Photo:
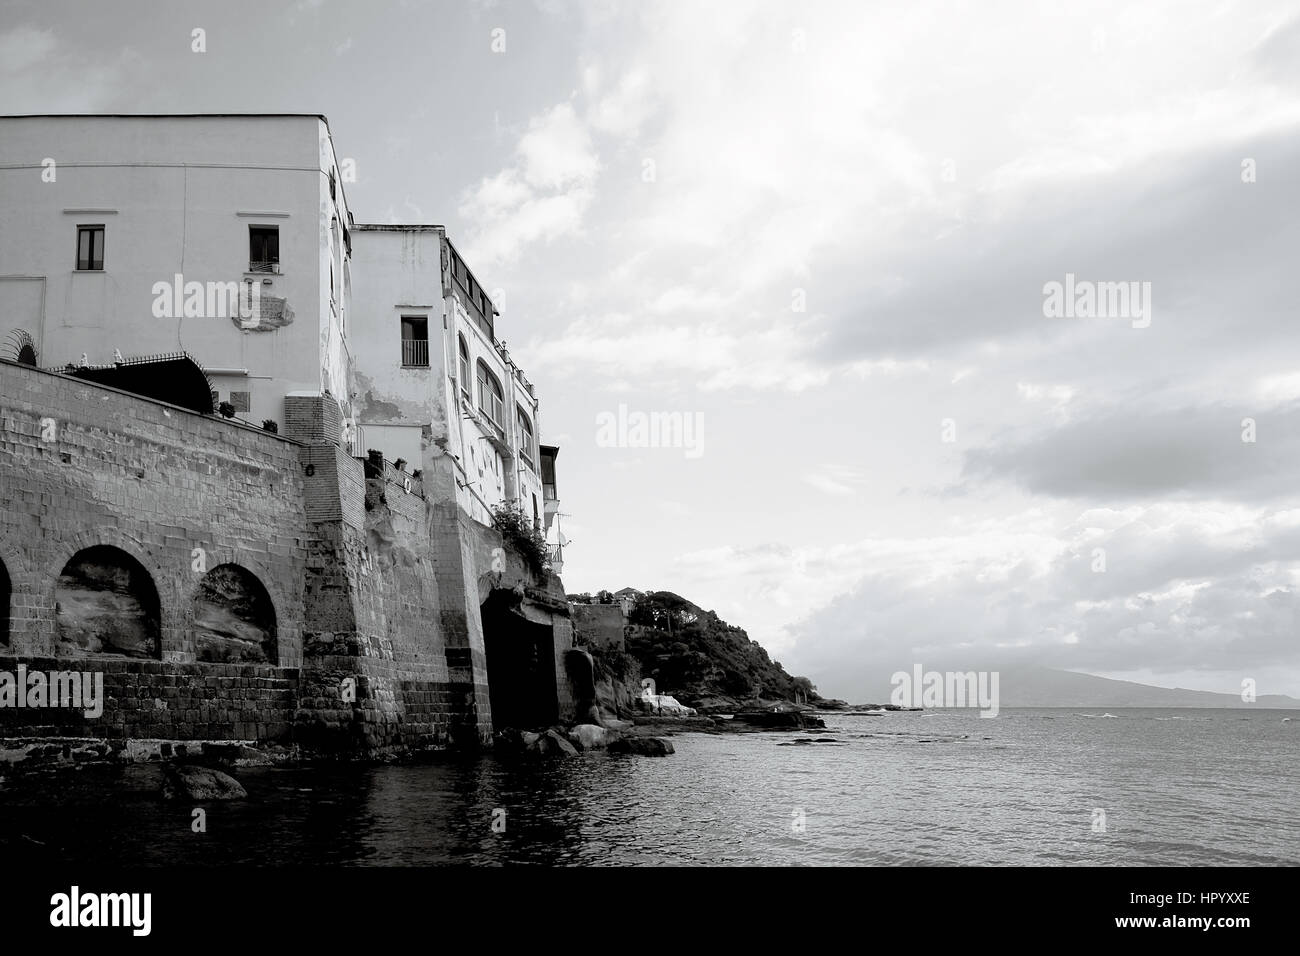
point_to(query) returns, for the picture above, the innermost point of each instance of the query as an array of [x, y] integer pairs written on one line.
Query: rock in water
[[189, 782], [590, 737], [551, 744], [645, 746]]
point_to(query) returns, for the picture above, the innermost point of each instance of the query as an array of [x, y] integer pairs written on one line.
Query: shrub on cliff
[[517, 531], [694, 654]]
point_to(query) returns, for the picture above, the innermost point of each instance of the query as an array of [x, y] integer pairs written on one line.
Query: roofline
[[447, 239], [398, 227], [316, 116], [320, 116]]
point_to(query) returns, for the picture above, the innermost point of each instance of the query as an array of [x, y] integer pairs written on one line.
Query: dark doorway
[[520, 666], [4, 605]]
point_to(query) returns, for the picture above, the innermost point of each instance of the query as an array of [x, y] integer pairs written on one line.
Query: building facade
[[432, 377], [139, 235], [229, 238], [231, 582]]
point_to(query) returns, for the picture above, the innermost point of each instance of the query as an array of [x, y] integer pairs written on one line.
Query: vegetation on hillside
[[695, 655]]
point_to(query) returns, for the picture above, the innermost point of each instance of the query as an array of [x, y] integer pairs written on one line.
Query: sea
[[1037, 787]]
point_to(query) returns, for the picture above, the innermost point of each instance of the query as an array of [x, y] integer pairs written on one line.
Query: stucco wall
[[176, 195]]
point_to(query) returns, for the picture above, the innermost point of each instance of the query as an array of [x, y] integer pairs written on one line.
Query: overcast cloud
[[826, 228]]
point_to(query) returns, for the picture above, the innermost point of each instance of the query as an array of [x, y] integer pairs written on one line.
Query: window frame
[[270, 266], [414, 322], [486, 376], [462, 365], [91, 228], [525, 425]]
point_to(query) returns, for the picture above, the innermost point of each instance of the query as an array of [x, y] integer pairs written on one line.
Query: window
[[525, 435], [90, 248], [490, 396], [242, 401], [263, 248], [463, 367], [415, 341]]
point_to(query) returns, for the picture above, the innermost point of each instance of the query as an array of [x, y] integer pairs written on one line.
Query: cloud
[[1127, 454], [1180, 589], [39, 74], [543, 195], [557, 151], [834, 480], [24, 47]]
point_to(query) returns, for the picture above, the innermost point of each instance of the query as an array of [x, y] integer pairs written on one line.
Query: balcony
[[415, 353]]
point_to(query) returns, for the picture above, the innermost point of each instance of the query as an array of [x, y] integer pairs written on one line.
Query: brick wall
[[155, 700], [84, 465], [376, 590], [312, 418]]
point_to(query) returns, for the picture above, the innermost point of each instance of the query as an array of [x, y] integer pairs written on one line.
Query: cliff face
[[701, 659]]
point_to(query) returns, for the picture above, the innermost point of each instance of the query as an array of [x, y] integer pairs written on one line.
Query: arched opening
[[105, 603], [5, 594], [234, 619], [20, 347], [462, 366], [520, 665]]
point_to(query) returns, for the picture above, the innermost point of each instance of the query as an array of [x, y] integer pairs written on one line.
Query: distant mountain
[[1045, 687]]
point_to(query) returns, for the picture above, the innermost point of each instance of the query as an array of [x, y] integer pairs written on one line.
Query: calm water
[[1176, 786]]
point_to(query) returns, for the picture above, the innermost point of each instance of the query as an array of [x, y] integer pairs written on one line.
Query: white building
[[228, 236], [431, 371], [106, 215]]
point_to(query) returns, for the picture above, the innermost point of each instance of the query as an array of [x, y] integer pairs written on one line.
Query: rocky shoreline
[[206, 771]]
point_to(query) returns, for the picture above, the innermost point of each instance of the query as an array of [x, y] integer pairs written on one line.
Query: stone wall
[[357, 631], [84, 465]]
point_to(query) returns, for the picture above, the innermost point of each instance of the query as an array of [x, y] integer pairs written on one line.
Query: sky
[[823, 233]]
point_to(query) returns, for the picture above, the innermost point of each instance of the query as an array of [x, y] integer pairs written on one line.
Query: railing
[[415, 352], [263, 266], [548, 492]]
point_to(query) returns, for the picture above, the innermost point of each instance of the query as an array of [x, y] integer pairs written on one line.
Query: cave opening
[[520, 666]]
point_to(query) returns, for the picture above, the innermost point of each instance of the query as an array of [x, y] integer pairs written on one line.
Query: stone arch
[[44, 578], [234, 618], [16, 569], [106, 604], [279, 585]]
